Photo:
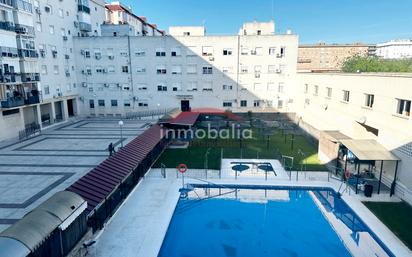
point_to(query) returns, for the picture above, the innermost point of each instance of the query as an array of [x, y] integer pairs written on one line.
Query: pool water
[[223, 222]]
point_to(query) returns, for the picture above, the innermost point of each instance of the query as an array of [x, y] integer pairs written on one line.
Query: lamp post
[[121, 132]]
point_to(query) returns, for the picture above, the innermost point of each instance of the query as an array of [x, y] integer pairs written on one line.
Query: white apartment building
[[257, 28], [395, 49], [233, 72]]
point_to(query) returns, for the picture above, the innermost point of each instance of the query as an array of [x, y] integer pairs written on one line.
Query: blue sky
[[332, 21]]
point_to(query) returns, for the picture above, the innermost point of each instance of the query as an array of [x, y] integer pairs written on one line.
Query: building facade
[[323, 57], [396, 49], [362, 106], [232, 72]]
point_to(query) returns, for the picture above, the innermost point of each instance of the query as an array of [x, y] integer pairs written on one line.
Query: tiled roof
[[102, 180]]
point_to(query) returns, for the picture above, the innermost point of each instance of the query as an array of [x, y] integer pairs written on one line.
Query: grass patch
[[256, 147], [396, 216]]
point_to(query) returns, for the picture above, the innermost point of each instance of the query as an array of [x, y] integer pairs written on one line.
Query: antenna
[[273, 10]]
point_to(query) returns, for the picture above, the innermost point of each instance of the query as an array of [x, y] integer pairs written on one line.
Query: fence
[[30, 130], [148, 113]]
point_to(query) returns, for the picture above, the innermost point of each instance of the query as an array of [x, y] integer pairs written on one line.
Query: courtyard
[[33, 170]]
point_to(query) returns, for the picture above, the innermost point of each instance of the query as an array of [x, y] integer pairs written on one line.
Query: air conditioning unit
[[253, 52], [98, 57], [104, 70], [111, 57], [47, 9], [67, 74], [84, 84], [42, 53], [106, 85], [37, 10], [66, 56], [60, 94], [211, 59], [82, 52], [65, 38], [278, 71], [83, 72], [118, 84], [54, 53], [76, 24]]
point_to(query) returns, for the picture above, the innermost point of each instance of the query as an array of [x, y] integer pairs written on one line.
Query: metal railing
[[148, 113], [30, 130]]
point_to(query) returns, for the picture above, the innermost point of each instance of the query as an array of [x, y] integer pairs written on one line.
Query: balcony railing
[[30, 77], [83, 8], [9, 77], [28, 53], [24, 29], [6, 25], [7, 2], [12, 102], [86, 27], [23, 5], [33, 99], [8, 52]]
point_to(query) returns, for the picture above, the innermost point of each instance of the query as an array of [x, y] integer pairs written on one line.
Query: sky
[[330, 21]]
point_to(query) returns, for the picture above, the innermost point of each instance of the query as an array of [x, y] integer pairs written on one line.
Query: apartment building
[[323, 57], [395, 49], [121, 19], [362, 106], [233, 72]]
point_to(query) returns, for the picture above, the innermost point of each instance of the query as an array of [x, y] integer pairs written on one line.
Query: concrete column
[[52, 112], [76, 107], [65, 110], [38, 110]]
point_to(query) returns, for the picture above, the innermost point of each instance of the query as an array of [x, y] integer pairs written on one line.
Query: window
[[244, 51], [125, 69], [272, 50], [114, 103], [48, 9], [99, 69], [161, 69], [282, 52], [192, 86], [306, 88], [208, 86], [161, 87], [243, 103], [160, 52], [91, 104], [46, 90], [87, 53], [256, 103], [142, 87], [176, 69], [207, 51], [141, 70], [97, 54], [227, 87], [403, 107], [123, 53], [258, 69], [143, 104], [257, 86], [329, 92], [257, 51], [111, 69], [176, 86], [100, 103], [369, 99], [227, 51], [281, 87], [227, 69], [207, 70], [271, 86], [346, 94], [259, 32], [44, 69], [280, 104], [191, 69], [186, 33], [272, 69], [51, 29], [227, 104], [176, 52], [126, 104], [140, 53], [315, 90], [56, 69], [244, 69]]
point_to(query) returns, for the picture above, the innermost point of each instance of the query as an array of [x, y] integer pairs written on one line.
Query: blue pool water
[[216, 222]]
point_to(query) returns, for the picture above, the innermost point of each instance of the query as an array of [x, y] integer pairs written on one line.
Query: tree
[[374, 64]]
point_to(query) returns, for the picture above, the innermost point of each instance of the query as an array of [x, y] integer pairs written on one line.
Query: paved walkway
[[33, 170]]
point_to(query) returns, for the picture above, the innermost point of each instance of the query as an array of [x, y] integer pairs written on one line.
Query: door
[[185, 105]]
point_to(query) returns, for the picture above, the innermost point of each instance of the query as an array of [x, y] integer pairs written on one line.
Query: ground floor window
[[114, 103], [91, 104], [243, 103], [101, 103], [256, 103], [227, 104]]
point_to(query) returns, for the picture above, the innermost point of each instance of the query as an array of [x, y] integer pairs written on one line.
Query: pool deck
[[139, 226]]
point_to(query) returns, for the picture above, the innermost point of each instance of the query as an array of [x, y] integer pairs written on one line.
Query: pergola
[[367, 151]]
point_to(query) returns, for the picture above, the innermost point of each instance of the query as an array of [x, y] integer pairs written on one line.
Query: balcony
[[30, 77], [23, 29], [25, 53], [85, 27], [6, 25], [7, 2], [12, 102], [33, 99], [10, 52], [83, 8], [9, 78]]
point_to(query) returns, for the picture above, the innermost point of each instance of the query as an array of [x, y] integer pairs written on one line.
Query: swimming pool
[[246, 221]]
